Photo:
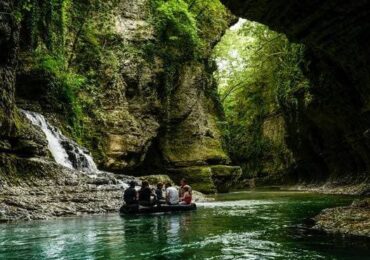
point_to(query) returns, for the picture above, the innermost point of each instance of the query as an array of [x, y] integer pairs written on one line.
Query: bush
[[66, 83], [177, 29]]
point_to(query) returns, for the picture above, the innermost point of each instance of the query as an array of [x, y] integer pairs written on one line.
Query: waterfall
[[65, 151]]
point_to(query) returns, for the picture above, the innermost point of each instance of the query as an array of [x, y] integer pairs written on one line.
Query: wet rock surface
[[352, 220], [68, 194], [62, 192]]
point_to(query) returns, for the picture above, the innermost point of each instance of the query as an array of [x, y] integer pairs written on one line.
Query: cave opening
[[327, 130], [261, 87]]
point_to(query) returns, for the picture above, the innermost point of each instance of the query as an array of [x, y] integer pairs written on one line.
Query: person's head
[[132, 184], [183, 182], [159, 185], [145, 184], [186, 188], [168, 184]]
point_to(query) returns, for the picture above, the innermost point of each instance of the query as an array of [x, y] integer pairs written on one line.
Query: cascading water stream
[[65, 151]]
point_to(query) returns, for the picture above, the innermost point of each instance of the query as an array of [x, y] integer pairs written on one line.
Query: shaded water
[[248, 225]]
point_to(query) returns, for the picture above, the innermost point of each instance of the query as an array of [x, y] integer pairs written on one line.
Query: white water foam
[[83, 161]]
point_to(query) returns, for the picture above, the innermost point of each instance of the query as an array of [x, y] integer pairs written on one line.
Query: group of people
[[163, 194]]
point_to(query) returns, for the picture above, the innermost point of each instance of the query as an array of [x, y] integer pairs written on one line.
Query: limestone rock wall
[[275, 167], [192, 136], [8, 44], [128, 114], [17, 135], [184, 123]]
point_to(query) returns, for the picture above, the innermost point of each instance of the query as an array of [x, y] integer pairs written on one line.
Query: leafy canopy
[[259, 74]]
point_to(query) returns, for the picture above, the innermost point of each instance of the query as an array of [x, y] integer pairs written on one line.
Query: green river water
[[244, 225]]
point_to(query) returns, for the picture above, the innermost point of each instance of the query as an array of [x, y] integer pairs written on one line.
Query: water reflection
[[155, 233], [244, 227]]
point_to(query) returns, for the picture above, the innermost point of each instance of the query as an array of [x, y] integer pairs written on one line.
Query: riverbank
[[350, 220], [362, 189], [353, 220], [66, 194], [72, 193], [63, 194]]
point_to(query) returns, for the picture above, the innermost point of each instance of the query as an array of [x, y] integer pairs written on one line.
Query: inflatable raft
[[135, 209]]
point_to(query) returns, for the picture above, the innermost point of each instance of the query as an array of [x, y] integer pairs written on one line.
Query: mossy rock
[[154, 179], [16, 170], [198, 177], [224, 177], [208, 179]]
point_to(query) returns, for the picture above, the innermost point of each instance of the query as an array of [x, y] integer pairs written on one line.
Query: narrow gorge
[[231, 95], [327, 127]]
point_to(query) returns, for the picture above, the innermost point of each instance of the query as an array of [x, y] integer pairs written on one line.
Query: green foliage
[[44, 32], [71, 42], [259, 75], [188, 28], [212, 20], [66, 83], [44, 22], [176, 27], [74, 41]]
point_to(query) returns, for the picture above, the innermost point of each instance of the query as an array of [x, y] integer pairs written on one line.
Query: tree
[[258, 74]]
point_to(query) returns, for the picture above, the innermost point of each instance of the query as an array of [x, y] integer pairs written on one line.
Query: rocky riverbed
[[69, 193], [351, 220]]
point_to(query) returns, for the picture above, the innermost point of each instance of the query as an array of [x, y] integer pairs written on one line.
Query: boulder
[[208, 179], [224, 177], [352, 220], [154, 179]]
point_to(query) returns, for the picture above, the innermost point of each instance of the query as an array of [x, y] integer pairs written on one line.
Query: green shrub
[[177, 29], [66, 83]]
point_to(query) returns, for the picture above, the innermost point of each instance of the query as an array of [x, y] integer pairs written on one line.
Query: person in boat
[[186, 198], [159, 194], [172, 195], [183, 183], [145, 195], [130, 195]]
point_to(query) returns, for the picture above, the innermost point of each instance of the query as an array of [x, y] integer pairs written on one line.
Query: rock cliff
[[18, 138], [105, 80]]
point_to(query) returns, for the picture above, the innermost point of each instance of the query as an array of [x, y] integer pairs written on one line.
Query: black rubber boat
[[134, 209]]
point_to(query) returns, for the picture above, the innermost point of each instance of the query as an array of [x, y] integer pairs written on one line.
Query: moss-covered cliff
[[17, 135], [132, 81], [120, 77]]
